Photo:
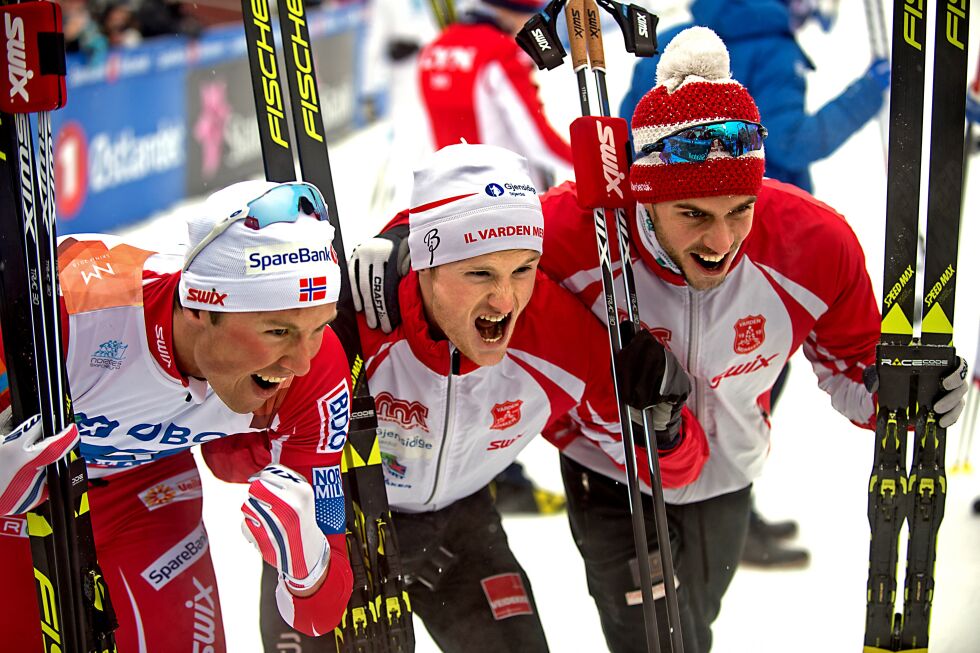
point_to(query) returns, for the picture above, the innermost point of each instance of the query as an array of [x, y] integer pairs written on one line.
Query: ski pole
[[539, 39], [597, 63], [75, 613], [878, 35]]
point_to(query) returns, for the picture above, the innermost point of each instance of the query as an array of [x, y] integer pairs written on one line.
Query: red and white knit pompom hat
[[694, 87]]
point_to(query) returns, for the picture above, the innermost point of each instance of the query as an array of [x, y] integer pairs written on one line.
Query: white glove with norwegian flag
[[280, 521], [23, 457]]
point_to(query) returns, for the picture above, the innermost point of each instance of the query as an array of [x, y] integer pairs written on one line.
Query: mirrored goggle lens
[[286, 203], [694, 143]]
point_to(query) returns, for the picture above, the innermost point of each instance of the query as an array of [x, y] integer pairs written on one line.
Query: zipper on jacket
[[448, 424], [692, 352]]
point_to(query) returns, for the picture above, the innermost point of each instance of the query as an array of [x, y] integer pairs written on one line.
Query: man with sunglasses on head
[[733, 273], [167, 352]]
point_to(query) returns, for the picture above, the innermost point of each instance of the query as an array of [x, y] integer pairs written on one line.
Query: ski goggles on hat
[[693, 144], [283, 203]]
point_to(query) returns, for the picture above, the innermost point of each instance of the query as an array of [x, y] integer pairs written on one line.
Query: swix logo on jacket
[[735, 339]]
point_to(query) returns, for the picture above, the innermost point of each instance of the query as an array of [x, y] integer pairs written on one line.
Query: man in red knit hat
[[727, 280]]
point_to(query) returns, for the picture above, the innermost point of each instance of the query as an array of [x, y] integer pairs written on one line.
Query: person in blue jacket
[[769, 62]]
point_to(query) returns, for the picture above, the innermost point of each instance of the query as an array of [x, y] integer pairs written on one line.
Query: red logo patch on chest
[[750, 333], [506, 414]]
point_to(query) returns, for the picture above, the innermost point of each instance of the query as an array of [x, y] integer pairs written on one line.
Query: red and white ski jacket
[[799, 280], [476, 83], [444, 436], [133, 406]]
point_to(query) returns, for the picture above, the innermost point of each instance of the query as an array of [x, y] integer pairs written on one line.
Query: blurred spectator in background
[[478, 85], [163, 17], [767, 59], [82, 33], [119, 25]]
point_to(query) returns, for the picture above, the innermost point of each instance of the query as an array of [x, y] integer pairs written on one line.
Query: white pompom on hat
[[470, 200], [280, 266], [694, 87]]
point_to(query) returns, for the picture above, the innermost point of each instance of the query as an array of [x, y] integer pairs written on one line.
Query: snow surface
[[819, 465]]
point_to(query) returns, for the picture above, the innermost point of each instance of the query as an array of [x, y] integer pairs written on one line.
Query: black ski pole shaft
[[575, 10], [597, 63]]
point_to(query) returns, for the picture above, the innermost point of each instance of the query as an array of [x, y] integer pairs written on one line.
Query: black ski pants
[[706, 541], [464, 584]]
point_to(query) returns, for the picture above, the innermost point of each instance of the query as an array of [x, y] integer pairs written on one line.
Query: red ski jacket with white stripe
[[444, 436], [799, 279], [476, 83]]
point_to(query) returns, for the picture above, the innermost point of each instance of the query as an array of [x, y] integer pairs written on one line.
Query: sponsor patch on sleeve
[[334, 408], [328, 499]]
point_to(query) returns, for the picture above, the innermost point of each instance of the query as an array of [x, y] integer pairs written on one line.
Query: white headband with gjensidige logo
[[471, 200], [277, 267]]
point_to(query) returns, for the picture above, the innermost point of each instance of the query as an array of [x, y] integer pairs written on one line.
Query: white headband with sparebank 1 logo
[[471, 200], [260, 246]]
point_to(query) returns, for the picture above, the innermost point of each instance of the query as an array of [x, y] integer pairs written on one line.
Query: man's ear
[[194, 316]]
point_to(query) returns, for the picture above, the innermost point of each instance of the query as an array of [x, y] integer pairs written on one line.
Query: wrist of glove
[[376, 267], [280, 520], [881, 72], [24, 454], [651, 379], [952, 392]]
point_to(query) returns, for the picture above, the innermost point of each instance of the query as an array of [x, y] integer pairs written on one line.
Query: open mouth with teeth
[[709, 262], [267, 382], [492, 327]]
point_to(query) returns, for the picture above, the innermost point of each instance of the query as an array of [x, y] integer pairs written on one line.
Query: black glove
[[375, 267], [651, 378]]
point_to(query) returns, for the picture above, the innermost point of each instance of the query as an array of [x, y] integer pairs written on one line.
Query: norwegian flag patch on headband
[[312, 289]]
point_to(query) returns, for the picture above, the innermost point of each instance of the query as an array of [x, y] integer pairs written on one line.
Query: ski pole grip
[[597, 56], [33, 41], [600, 162], [574, 15]]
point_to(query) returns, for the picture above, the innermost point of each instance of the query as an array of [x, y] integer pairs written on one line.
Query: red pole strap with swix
[[600, 162], [34, 46]]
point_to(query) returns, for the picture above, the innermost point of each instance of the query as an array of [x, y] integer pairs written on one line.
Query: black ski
[[378, 617], [72, 598], [911, 368]]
